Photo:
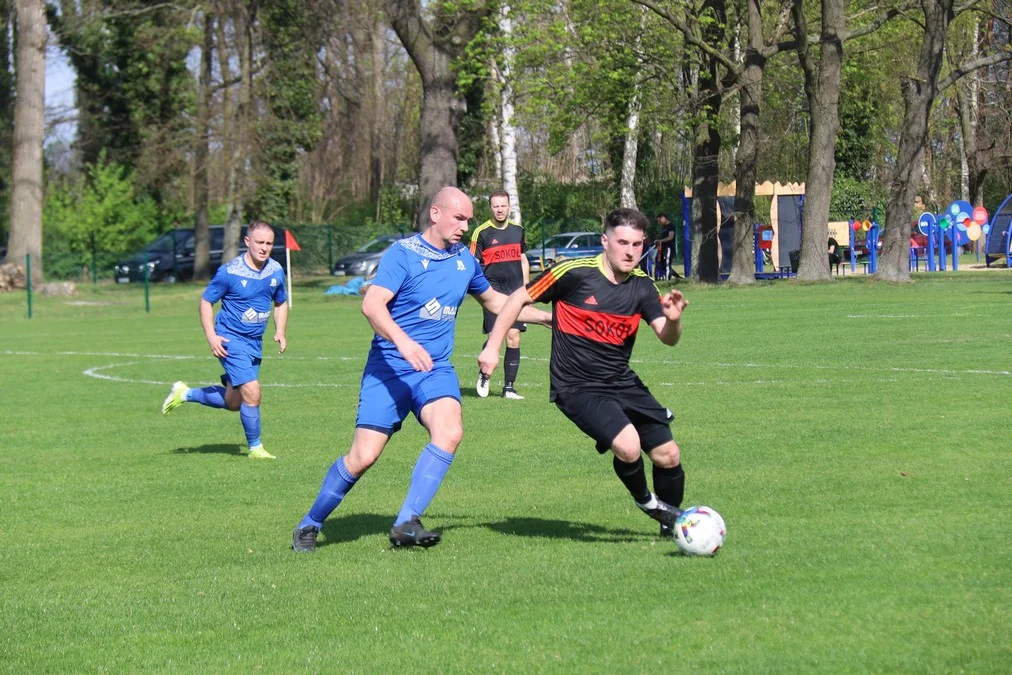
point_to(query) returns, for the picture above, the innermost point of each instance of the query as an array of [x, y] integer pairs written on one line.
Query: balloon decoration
[[980, 215], [973, 232], [866, 225], [855, 225]]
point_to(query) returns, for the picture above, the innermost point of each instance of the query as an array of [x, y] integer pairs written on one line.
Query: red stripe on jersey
[[500, 253], [612, 329], [542, 285]]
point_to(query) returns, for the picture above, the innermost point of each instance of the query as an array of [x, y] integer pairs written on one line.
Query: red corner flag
[[290, 242]]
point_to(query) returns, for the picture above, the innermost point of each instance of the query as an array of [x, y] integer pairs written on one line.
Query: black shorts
[[603, 414], [486, 326]]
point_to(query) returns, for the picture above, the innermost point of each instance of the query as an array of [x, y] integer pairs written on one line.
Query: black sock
[[634, 477], [512, 365], [669, 484]]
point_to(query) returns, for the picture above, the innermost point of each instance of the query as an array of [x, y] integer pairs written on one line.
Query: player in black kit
[[499, 245], [598, 303]]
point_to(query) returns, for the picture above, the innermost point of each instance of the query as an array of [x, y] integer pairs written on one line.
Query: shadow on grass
[[220, 449], [564, 529], [343, 529]]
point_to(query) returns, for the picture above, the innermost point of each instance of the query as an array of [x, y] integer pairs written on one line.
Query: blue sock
[[213, 397], [250, 416], [336, 485], [429, 471]]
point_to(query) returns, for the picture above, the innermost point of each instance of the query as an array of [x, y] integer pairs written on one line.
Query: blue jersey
[[428, 284], [247, 296]]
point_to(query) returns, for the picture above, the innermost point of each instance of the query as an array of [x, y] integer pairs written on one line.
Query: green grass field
[[854, 435]]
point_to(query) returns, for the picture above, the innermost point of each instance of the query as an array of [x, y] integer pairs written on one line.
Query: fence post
[[175, 261], [330, 248], [94, 261], [147, 295], [28, 281]]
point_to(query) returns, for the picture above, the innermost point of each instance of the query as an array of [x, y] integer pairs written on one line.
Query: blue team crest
[[461, 266], [274, 282]]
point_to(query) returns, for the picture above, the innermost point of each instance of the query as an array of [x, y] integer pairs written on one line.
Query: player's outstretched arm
[[374, 307], [214, 341], [509, 309], [280, 325], [669, 326]]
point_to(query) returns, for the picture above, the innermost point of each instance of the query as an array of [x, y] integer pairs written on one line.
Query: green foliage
[[132, 88], [292, 126], [102, 213], [855, 199]]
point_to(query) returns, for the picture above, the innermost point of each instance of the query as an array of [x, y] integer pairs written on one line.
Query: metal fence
[[320, 246]]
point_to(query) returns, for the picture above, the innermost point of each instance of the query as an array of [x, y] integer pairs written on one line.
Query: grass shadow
[[564, 529], [343, 529], [219, 448]]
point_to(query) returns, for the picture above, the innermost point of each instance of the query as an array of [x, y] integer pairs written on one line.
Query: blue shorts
[[242, 364], [386, 397]]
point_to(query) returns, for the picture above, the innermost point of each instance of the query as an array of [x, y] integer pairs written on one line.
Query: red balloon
[[980, 215]]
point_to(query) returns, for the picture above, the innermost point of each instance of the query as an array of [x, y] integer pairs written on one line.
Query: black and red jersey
[[499, 251], [594, 322]]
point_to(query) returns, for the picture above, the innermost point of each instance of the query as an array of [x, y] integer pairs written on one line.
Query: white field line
[[98, 372]]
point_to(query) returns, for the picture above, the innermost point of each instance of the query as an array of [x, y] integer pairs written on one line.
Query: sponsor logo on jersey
[[434, 311], [500, 254], [425, 263], [253, 316], [590, 301], [495, 241], [243, 282], [613, 329]]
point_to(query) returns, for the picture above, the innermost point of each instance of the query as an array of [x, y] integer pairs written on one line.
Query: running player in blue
[[412, 306], [248, 287]]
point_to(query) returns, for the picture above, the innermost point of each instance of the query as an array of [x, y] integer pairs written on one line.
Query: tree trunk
[[201, 234], [229, 139], [442, 107], [25, 236], [919, 94], [706, 152], [751, 80], [822, 88], [627, 188], [508, 136]]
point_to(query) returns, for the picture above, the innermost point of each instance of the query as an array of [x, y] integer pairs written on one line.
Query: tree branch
[[691, 38], [970, 66]]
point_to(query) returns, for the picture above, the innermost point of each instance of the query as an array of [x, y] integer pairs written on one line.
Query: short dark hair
[[498, 193], [258, 224], [627, 217], [663, 215]]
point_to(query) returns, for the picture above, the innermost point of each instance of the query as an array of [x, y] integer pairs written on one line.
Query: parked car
[[563, 246], [364, 261], [179, 245]]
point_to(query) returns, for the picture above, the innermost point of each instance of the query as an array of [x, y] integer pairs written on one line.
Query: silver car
[[563, 246]]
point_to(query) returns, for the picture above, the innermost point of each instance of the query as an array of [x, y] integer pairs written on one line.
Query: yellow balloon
[[973, 232]]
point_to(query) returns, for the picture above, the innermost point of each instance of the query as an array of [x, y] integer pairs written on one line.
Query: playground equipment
[[998, 244], [781, 239], [959, 225]]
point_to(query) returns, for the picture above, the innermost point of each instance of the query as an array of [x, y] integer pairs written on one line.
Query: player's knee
[[513, 338], [666, 456], [251, 393], [233, 399], [448, 435]]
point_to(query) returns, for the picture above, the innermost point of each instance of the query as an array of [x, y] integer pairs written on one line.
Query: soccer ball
[[700, 531]]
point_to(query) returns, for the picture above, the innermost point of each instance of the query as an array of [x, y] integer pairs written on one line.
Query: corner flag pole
[[290, 245], [288, 264]]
